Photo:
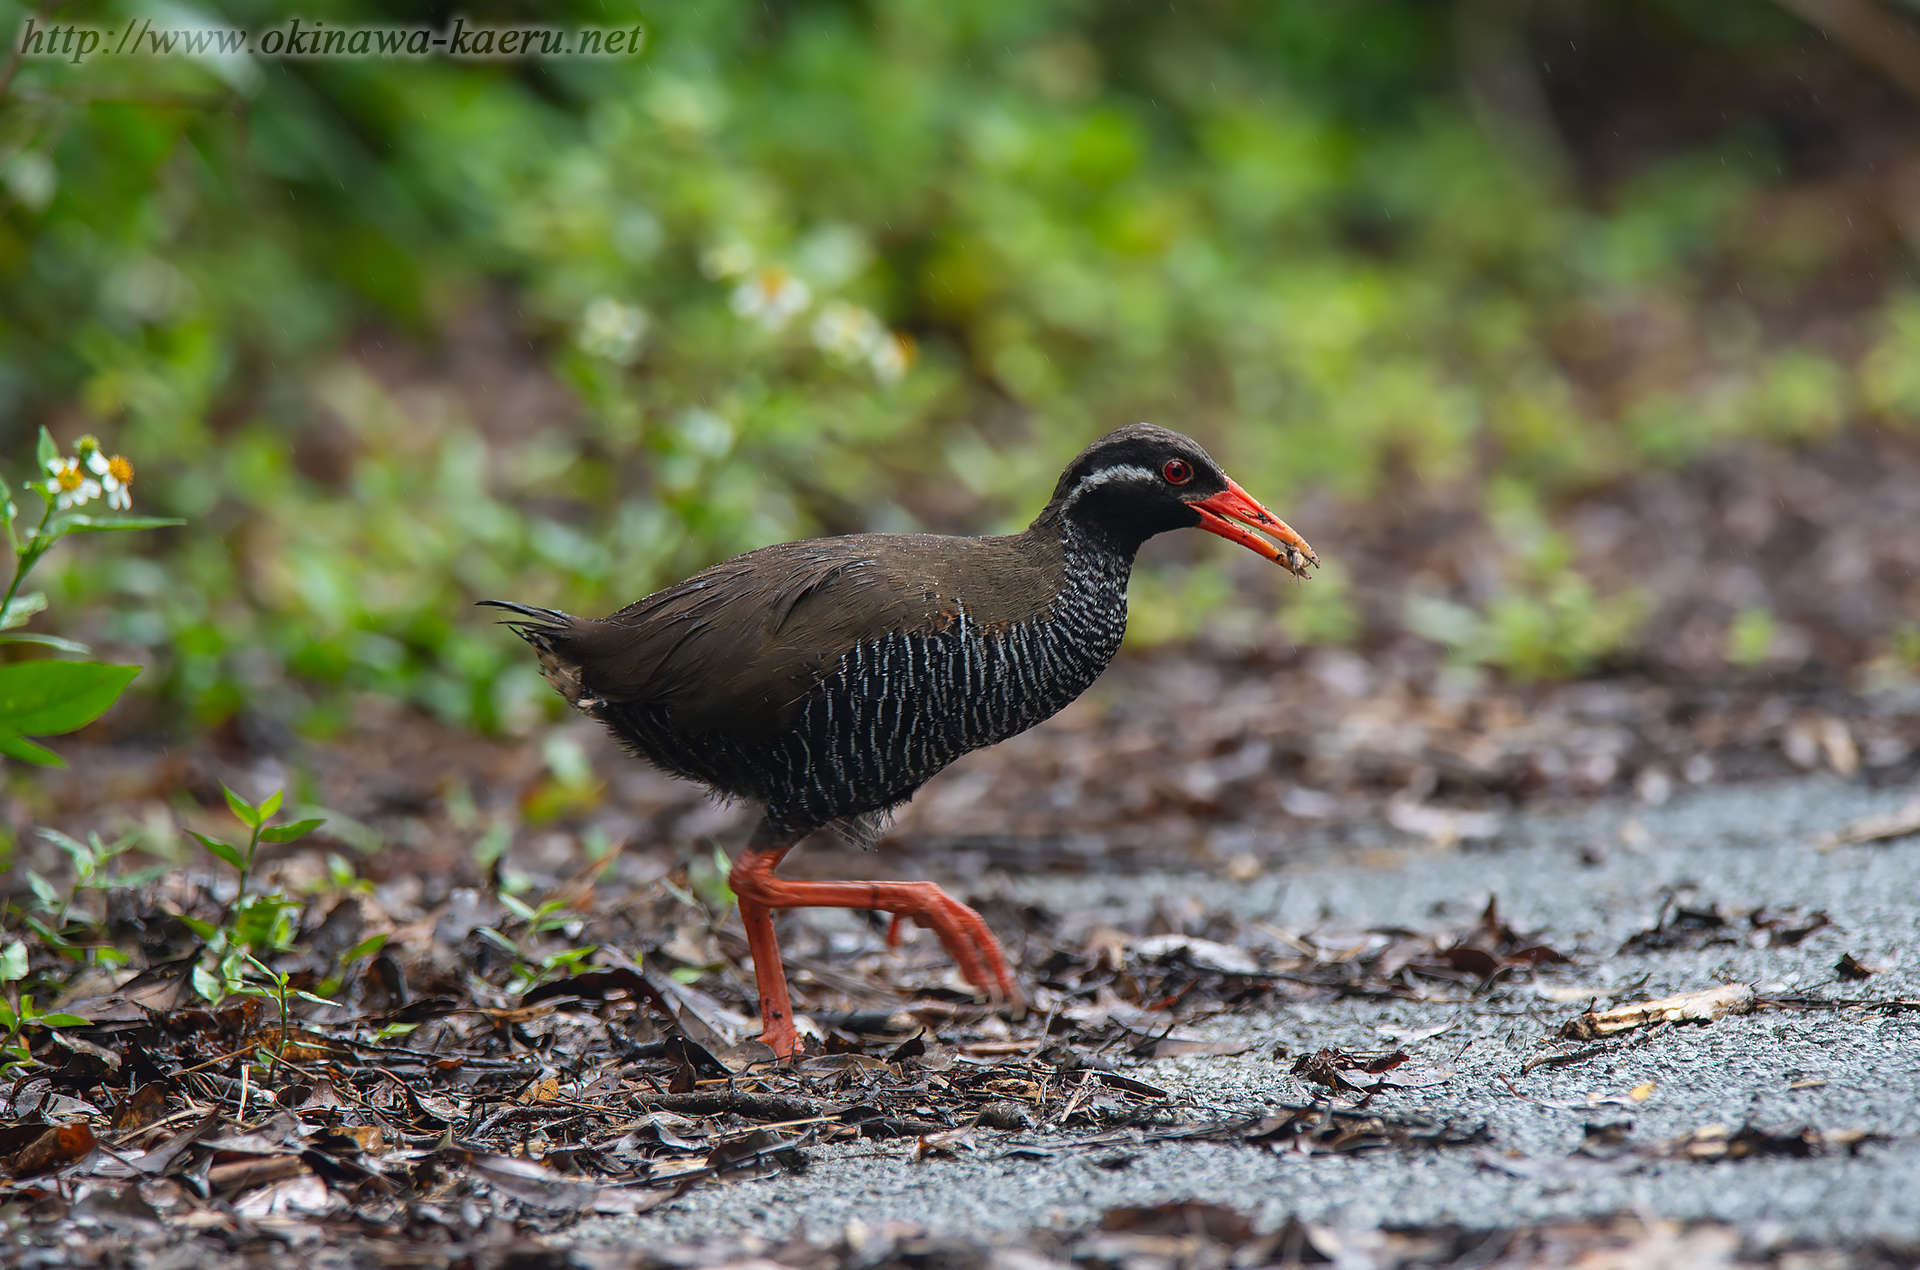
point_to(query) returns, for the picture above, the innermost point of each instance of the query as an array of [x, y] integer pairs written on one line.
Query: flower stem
[[29, 556]]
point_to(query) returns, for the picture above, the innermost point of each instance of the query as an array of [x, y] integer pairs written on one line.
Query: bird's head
[[1143, 480]]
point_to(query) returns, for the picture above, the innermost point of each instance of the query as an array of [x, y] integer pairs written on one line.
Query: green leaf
[[220, 849], [46, 453], [288, 833], [48, 641], [206, 930], [62, 1020], [81, 523], [570, 959], [517, 907], [264, 921], [13, 745], [81, 854], [208, 984], [8, 1019], [134, 879], [43, 890], [13, 962], [22, 607], [246, 812], [45, 698], [270, 804], [54, 938], [498, 940], [365, 948]]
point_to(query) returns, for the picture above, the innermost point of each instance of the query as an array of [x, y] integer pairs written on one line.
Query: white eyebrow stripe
[[1118, 472]]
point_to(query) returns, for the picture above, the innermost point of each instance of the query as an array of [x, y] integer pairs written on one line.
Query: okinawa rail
[[828, 680]]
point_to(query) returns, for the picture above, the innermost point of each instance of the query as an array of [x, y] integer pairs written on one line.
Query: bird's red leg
[[776, 1007], [962, 932], [762, 856]]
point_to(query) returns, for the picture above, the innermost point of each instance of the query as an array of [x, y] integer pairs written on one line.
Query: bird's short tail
[[551, 633], [543, 628]]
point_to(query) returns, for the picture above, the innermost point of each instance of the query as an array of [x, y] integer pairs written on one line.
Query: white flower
[[891, 357], [116, 476], [772, 297], [726, 260], [613, 330], [70, 485], [847, 332]]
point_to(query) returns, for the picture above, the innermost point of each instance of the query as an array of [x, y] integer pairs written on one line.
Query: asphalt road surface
[[1585, 881]]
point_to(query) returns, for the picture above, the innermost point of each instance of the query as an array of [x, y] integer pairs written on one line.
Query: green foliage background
[[1281, 226]]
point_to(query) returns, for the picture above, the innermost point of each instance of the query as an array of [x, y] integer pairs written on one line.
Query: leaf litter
[[445, 1101], [440, 1099]]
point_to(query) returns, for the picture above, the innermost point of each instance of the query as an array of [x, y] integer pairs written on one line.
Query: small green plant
[[1545, 622], [707, 879], [1750, 638], [252, 924], [1906, 647], [50, 914], [19, 1016], [332, 984], [1554, 632], [254, 817], [530, 971], [48, 697], [570, 787]]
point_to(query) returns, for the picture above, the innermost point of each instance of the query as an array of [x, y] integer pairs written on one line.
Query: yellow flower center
[[120, 470], [69, 477]]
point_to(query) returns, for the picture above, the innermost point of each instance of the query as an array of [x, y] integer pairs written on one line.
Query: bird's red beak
[[1232, 510]]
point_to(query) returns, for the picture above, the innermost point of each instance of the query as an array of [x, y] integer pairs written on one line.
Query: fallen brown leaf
[[1181, 1217], [139, 1109], [1850, 967], [243, 1174], [1705, 1006], [54, 1149], [540, 1091], [1894, 824], [1717, 1142]]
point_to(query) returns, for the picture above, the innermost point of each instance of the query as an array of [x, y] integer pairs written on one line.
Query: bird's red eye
[[1177, 472]]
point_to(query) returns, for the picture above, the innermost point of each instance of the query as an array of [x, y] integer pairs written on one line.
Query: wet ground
[[1575, 1135]]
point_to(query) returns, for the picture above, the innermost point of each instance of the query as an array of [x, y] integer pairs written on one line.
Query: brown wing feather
[[736, 647]]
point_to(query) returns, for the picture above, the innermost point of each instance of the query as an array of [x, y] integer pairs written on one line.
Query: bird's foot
[[963, 933]]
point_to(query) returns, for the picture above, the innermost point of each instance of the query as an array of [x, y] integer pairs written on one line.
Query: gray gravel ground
[[1739, 847]]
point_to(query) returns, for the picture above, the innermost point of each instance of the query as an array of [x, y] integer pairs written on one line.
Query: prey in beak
[[1236, 515]]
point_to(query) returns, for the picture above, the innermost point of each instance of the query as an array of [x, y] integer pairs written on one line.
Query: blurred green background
[[398, 335]]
